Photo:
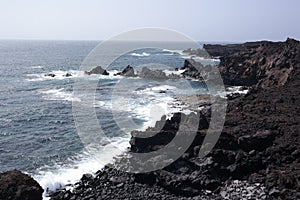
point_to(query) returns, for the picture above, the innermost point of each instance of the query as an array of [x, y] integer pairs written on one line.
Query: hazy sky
[[209, 20]]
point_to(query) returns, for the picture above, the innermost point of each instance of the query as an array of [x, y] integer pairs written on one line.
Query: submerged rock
[[50, 75]]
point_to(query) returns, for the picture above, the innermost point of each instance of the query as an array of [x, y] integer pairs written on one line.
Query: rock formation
[[152, 74], [128, 71], [97, 70], [266, 65]]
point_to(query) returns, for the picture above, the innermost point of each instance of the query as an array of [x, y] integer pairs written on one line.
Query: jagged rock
[[128, 71], [97, 70], [192, 69], [14, 185]]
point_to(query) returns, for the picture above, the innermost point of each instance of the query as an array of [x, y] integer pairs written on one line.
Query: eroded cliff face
[[270, 64]]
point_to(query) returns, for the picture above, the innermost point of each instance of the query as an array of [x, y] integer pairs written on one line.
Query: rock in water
[[97, 70], [50, 74], [153, 74], [128, 71], [14, 185]]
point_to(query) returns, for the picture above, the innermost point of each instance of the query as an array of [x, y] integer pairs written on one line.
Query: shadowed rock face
[[15, 185], [264, 64]]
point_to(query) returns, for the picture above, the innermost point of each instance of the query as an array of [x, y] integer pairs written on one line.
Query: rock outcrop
[[128, 71], [266, 64], [15, 185], [97, 70]]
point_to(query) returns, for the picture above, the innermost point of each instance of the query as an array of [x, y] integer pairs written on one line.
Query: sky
[[207, 20]]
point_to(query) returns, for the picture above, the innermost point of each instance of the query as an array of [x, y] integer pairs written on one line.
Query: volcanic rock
[[128, 71], [153, 74], [97, 70], [14, 185]]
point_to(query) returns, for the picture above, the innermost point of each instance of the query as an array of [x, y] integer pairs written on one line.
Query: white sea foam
[[194, 57], [36, 67], [155, 105], [179, 52], [144, 54], [169, 72], [56, 75], [88, 162], [69, 74], [59, 94], [233, 90]]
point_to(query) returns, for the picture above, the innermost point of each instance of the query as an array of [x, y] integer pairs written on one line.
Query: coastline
[[257, 154]]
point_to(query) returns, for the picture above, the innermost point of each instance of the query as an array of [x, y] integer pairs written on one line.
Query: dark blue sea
[[37, 130]]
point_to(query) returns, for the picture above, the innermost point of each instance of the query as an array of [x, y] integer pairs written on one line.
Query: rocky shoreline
[[257, 155]]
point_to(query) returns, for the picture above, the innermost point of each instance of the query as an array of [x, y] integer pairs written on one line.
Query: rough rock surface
[[97, 70], [128, 71], [266, 66], [256, 157], [153, 74], [15, 185]]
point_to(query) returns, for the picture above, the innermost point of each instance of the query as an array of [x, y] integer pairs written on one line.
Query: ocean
[[37, 130]]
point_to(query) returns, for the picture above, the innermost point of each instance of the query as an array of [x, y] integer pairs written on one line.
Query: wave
[[233, 90], [89, 161], [179, 52], [155, 104], [56, 75], [69, 74], [194, 57], [169, 72], [59, 94], [144, 54], [36, 67]]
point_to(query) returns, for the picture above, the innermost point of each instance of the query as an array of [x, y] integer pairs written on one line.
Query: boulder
[[14, 185]]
